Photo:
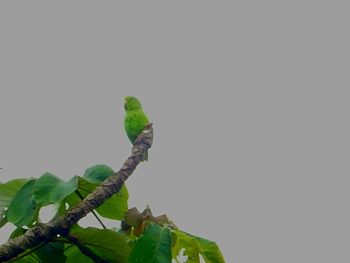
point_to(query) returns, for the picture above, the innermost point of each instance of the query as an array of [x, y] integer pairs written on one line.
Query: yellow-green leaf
[[154, 246], [194, 246]]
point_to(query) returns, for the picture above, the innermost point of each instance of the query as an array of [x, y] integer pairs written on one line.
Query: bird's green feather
[[135, 119], [135, 122]]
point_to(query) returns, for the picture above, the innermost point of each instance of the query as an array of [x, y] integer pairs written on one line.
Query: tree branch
[[42, 233], [93, 212]]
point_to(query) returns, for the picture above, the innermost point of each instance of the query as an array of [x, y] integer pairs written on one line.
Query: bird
[[135, 119]]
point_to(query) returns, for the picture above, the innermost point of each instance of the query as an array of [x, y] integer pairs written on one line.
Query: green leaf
[[194, 246], [50, 189], [113, 208], [8, 191], [154, 246], [23, 210], [74, 255], [191, 249], [209, 250], [51, 252], [98, 173], [116, 206], [17, 232], [28, 259], [106, 243]]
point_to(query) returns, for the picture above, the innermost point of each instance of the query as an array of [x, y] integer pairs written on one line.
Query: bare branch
[[42, 233]]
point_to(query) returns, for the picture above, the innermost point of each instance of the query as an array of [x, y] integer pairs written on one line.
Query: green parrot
[[135, 119]]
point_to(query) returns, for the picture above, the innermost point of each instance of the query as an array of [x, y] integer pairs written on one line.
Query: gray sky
[[249, 101]]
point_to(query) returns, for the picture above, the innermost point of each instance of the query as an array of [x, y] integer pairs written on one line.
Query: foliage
[[142, 237]]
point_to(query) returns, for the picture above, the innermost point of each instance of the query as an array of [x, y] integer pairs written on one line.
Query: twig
[[33, 250]]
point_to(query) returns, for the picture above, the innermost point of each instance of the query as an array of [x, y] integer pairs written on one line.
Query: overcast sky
[[250, 105]]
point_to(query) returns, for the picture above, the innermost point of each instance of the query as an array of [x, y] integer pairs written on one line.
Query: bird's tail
[[146, 157]]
